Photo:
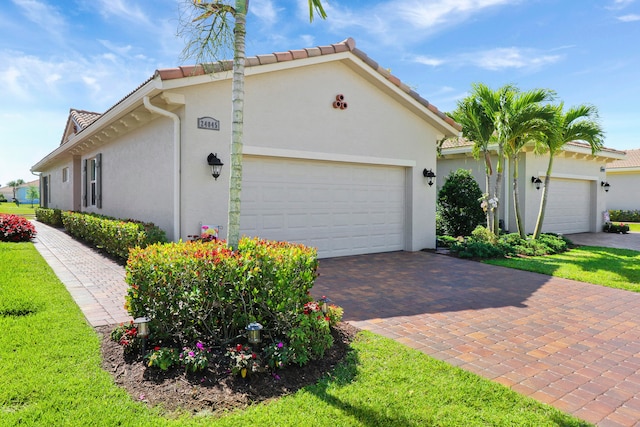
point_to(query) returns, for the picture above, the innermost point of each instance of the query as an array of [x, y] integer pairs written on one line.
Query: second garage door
[[568, 207], [339, 208]]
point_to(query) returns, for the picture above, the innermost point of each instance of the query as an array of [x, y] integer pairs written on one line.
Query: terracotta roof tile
[[84, 118], [283, 56], [632, 160]]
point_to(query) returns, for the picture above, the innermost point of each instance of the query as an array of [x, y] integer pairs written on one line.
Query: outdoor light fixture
[[142, 324], [324, 300], [253, 333], [605, 185], [428, 173], [536, 181], [216, 165]]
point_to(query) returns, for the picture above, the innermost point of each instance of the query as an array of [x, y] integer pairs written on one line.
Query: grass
[[24, 210], [633, 226], [614, 268], [51, 375]]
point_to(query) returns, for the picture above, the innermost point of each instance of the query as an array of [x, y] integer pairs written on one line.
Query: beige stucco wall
[[581, 167], [290, 113], [61, 194], [624, 193]]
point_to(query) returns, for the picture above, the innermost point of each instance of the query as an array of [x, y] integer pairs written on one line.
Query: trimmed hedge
[[52, 217], [624, 216], [203, 291], [112, 235], [15, 228]]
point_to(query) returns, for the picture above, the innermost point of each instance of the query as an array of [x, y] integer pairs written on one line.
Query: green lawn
[[51, 375], [633, 226], [24, 210], [615, 268]]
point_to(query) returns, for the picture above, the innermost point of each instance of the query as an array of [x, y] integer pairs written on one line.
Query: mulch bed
[[215, 390]]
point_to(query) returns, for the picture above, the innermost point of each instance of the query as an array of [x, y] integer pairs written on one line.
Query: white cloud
[[620, 4], [45, 16], [265, 11], [495, 59], [629, 18], [423, 14], [125, 10]]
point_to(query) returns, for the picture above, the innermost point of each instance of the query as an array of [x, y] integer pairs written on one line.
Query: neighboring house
[[334, 152], [576, 199], [22, 192], [623, 177]]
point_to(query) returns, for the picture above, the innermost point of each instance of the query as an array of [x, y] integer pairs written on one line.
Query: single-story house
[[334, 153], [623, 177], [576, 198], [22, 192]]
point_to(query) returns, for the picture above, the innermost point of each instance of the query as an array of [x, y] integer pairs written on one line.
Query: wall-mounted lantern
[[428, 173], [536, 181], [216, 165], [605, 185]]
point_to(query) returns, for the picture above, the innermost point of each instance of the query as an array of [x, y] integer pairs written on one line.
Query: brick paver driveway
[[573, 345]]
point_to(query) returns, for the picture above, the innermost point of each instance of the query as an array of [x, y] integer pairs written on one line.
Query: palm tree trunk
[[543, 202], [498, 189], [516, 198], [235, 180]]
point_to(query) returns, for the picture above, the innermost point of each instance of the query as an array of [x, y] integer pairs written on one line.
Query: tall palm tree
[[209, 35], [478, 127], [576, 124], [15, 184]]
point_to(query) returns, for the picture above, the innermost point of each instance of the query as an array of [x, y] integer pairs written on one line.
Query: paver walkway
[[570, 344]]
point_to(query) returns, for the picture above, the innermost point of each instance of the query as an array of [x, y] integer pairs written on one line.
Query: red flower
[[253, 355], [239, 347], [156, 348]]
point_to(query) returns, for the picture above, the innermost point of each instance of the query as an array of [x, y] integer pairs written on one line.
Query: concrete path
[[570, 344]]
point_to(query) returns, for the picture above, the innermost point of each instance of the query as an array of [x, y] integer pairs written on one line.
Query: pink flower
[[280, 345], [199, 345]]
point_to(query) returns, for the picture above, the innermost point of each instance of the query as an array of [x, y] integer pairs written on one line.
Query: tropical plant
[[576, 124], [32, 194], [15, 184], [477, 126], [209, 32]]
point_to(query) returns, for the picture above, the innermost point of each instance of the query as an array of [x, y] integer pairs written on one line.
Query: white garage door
[[339, 208], [568, 206]]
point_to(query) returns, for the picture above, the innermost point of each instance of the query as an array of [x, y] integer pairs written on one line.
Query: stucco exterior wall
[[60, 196], [137, 175], [289, 113], [624, 193]]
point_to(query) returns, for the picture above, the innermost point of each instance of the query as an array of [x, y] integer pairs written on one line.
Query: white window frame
[[65, 174]]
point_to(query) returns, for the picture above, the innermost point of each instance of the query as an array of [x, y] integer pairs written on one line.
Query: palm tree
[[15, 184], [209, 34], [478, 127], [576, 124]]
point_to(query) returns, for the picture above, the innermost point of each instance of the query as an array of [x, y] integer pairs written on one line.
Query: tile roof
[[77, 121], [348, 45], [463, 142], [632, 160]]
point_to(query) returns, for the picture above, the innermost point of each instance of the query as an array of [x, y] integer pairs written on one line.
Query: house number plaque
[[208, 123]]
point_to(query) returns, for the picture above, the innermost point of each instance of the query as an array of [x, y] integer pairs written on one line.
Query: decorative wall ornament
[[340, 102]]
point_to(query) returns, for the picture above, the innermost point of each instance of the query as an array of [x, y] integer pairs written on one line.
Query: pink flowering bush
[[14, 228]]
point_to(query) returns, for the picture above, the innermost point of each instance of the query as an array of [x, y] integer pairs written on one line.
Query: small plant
[[162, 358], [310, 334], [334, 314], [243, 361], [14, 228], [126, 334], [277, 355], [610, 227], [196, 359]]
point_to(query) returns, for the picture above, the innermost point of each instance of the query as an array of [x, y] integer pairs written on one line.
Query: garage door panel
[[341, 209], [568, 207]]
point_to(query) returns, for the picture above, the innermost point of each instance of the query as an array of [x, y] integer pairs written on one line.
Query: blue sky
[[88, 54]]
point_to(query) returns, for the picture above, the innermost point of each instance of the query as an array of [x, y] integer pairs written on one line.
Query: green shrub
[[609, 227], [112, 235], [459, 204], [52, 217], [626, 216], [479, 245], [203, 291], [446, 241]]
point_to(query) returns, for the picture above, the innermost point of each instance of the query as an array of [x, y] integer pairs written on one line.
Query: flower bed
[[14, 228], [610, 227]]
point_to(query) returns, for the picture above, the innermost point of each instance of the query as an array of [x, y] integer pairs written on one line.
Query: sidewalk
[[95, 282]]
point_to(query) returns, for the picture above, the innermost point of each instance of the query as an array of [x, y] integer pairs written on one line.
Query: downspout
[[177, 142]]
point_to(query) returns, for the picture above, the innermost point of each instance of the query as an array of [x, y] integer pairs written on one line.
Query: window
[[92, 181], [65, 174]]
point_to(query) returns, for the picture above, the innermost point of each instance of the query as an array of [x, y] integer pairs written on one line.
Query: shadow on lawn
[[409, 283]]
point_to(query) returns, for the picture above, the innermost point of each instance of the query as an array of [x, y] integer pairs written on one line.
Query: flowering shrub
[[115, 236], [196, 359], [126, 334], [610, 227], [204, 291], [162, 358], [310, 334], [277, 355], [14, 228], [243, 361], [53, 217]]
